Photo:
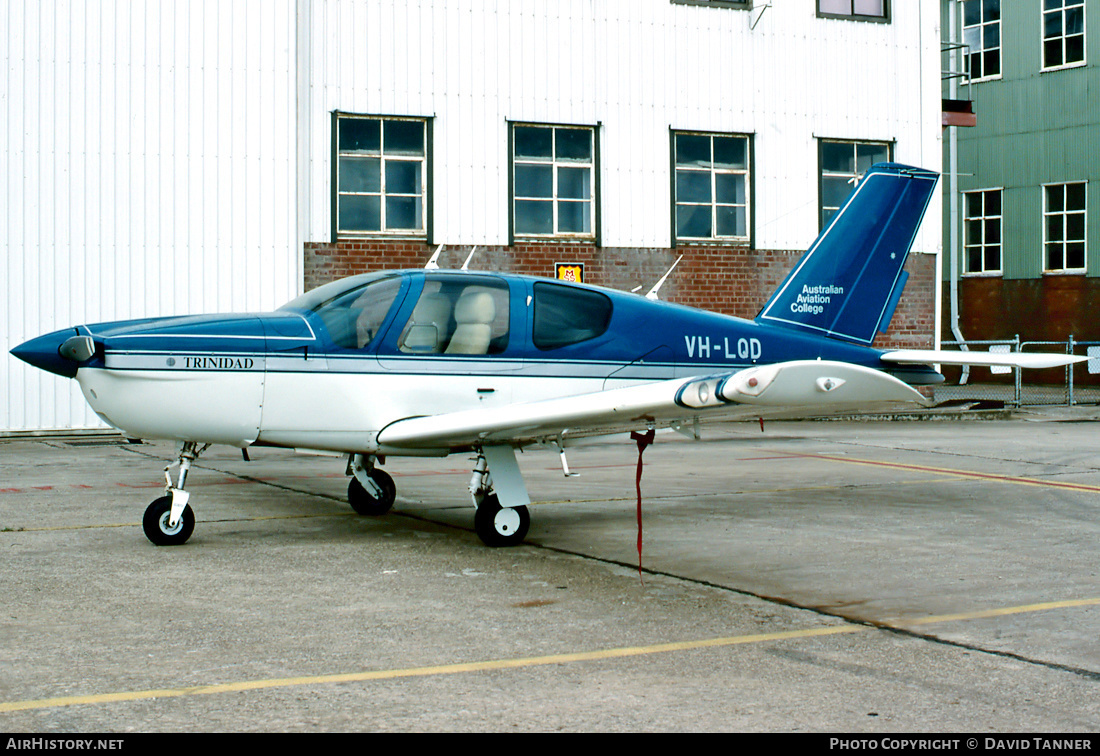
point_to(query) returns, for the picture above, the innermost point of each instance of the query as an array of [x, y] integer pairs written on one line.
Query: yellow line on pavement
[[504, 664], [1018, 480], [1002, 612], [257, 518], [445, 669]]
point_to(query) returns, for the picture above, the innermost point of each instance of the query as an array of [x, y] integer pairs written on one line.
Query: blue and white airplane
[[432, 362]]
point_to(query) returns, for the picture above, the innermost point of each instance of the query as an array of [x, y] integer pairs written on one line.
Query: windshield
[[352, 309], [314, 298]]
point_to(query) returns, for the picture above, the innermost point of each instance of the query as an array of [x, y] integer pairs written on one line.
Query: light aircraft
[[434, 362]]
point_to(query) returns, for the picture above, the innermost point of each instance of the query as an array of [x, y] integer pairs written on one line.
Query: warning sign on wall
[[573, 272]]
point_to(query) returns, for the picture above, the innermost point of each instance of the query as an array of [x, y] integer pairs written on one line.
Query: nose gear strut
[[169, 520], [371, 491]]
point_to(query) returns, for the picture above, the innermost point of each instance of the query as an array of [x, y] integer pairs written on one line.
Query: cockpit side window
[[353, 317], [565, 315], [458, 315]]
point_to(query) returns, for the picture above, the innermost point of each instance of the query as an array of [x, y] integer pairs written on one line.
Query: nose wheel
[[169, 520], [158, 529], [371, 491]]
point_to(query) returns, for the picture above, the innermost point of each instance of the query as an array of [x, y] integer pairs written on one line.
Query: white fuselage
[[321, 409]]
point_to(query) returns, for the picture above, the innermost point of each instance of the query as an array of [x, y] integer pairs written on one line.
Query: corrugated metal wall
[[637, 68], [1034, 127], [171, 157], [148, 169]]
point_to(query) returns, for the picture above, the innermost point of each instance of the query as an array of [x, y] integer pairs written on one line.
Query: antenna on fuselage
[[466, 265], [433, 264], [652, 293]]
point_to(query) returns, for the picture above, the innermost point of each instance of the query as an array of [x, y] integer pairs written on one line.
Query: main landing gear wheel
[[365, 502], [501, 526], [155, 523]]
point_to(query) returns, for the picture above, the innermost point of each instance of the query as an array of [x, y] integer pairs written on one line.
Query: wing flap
[[791, 389]]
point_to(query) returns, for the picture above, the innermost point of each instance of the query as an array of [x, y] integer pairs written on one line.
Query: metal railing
[[1074, 384]]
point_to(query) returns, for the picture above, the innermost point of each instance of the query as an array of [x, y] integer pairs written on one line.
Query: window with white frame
[[842, 165], [711, 186], [1063, 33], [1064, 208], [864, 10], [381, 169], [553, 180], [982, 34], [982, 223]]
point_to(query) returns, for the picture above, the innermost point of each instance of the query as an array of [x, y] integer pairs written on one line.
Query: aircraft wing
[[980, 359], [803, 388]]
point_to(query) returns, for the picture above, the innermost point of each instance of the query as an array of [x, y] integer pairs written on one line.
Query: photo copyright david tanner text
[[962, 744]]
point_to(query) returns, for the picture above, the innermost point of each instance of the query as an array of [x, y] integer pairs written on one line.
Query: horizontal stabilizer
[[980, 359]]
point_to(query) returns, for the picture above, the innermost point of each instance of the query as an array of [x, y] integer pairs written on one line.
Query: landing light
[[78, 348], [750, 382]]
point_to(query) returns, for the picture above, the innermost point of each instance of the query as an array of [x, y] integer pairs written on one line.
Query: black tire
[[498, 526], [155, 523], [364, 503]]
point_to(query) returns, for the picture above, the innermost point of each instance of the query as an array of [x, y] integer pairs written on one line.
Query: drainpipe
[[953, 192]]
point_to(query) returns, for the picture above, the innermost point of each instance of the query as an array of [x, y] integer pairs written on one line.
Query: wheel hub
[[165, 528], [506, 521]]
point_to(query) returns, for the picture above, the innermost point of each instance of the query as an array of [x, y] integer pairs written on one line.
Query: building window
[[711, 187], [553, 179], [982, 231], [381, 165], [842, 165], [1063, 33], [982, 35], [1064, 226], [863, 10]]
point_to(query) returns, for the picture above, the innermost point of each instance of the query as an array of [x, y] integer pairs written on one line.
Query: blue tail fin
[[846, 281]]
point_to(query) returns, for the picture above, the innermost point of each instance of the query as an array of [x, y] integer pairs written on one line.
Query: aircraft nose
[[60, 352]]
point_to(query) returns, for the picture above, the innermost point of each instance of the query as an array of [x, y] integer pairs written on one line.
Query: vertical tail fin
[[849, 277]]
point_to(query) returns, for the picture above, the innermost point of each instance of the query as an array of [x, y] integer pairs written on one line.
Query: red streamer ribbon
[[643, 440]]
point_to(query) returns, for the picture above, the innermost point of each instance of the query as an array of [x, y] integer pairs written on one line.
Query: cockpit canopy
[[454, 313]]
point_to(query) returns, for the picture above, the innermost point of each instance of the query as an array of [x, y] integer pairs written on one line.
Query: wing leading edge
[[802, 388]]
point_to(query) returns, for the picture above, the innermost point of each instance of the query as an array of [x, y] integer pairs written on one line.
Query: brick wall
[[731, 280], [1038, 309], [1051, 308]]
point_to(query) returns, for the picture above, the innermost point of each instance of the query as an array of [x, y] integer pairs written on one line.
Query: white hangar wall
[[149, 169], [636, 68], [173, 157]]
